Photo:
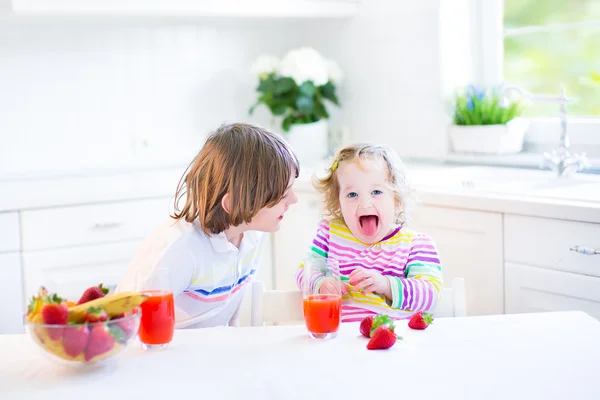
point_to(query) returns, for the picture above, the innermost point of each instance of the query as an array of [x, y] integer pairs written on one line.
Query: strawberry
[[383, 338], [370, 323], [100, 342], [75, 339], [92, 293], [420, 320], [54, 312], [95, 314], [365, 326]]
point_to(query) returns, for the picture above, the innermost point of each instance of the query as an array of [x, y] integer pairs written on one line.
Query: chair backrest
[[285, 306], [275, 305], [453, 302]]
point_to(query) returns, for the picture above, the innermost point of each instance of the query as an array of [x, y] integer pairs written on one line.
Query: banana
[[114, 305]]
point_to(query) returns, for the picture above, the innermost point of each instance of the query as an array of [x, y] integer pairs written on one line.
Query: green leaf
[[308, 89], [304, 104], [328, 92], [286, 124], [279, 109], [283, 85]]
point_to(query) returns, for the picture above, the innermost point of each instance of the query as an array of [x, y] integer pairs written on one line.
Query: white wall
[[113, 94]]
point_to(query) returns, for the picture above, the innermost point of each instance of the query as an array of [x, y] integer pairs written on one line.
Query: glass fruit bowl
[[86, 343]]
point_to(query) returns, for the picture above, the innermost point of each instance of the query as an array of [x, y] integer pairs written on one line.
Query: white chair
[[453, 302], [275, 306], [285, 306]]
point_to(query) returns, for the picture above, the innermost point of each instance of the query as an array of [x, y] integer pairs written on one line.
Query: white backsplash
[[133, 93]]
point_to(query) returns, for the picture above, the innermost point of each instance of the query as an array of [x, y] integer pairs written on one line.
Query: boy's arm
[[420, 288], [319, 250]]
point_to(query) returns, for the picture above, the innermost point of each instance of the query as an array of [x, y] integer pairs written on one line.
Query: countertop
[[503, 190]]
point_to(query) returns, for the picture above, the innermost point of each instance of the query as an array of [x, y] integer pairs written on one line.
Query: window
[[552, 43], [540, 46]]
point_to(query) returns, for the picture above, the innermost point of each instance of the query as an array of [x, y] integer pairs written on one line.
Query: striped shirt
[[407, 258], [208, 274]]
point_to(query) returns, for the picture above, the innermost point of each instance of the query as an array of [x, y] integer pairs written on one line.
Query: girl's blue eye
[[376, 192], [352, 194]]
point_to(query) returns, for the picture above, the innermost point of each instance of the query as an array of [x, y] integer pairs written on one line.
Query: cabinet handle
[[107, 225], [588, 251]]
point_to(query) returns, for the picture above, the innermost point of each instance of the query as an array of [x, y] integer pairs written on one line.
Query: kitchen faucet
[[560, 161]]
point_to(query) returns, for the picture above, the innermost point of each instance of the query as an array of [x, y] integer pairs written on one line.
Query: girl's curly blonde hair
[[329, 186]]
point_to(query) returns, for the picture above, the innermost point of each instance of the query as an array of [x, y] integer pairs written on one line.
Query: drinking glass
[[321, 287], [157, 324]]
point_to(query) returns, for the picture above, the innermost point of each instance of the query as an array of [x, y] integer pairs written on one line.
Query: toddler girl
[[386, 267]]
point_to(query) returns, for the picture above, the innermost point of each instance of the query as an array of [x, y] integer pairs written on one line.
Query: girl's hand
[[370, 281], [329, 286]]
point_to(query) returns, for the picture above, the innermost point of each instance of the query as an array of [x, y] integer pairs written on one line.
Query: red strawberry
[[365, 326], [54, 312], [75, 339], [100, 342], [370, 323], [383, 338], [92, 293], [95, 314], [420, 320]]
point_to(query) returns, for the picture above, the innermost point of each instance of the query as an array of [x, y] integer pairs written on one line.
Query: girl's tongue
[[368, 224]]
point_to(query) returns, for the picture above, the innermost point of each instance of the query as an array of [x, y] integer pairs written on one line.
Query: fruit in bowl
[[87, 332]]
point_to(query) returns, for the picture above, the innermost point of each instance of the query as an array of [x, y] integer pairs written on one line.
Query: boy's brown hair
[[252, 164], [329, 185]]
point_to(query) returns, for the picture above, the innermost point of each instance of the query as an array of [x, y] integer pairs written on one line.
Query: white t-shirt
[[208, 274]]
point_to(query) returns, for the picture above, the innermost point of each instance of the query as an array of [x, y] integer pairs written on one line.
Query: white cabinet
[[543, 273], [69, 271], [9, 232], [532, 289], [470, 247], [12, 302], [293, 240], [90, 224]]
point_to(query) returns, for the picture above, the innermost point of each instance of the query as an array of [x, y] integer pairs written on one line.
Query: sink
[[581, 192], [476, 178], [510, 181]]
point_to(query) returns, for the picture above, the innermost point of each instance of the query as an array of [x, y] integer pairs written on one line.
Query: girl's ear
[[226, 203]]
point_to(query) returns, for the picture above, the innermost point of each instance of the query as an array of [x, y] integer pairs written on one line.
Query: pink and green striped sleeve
[[420, 288], [318, 249]]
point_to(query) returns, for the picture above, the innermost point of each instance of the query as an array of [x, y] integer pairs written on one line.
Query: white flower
[[305, 64], [335, 73], [265, 65]]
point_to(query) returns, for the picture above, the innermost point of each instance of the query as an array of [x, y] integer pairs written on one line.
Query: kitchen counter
[[508, 190]]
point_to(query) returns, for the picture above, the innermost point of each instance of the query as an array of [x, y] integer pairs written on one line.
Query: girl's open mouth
[[369, 224]]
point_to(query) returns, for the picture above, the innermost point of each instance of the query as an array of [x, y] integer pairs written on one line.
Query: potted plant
[[296, 89], [483, 121]]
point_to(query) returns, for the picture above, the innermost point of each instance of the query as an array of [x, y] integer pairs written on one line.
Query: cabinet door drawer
[[470, 247], [9, 232], [12, 304], [69, 272], [531, 289], [547, 243], [82, 225]]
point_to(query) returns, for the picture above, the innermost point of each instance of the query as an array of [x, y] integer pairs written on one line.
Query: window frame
[[488, 19]]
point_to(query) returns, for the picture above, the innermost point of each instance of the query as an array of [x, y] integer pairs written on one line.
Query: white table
[[527, 356]]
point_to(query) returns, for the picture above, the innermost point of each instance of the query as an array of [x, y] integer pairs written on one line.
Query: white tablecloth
[[527, 356]]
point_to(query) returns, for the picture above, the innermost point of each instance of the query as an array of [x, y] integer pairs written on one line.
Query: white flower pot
[[489, 139], [309, 142]]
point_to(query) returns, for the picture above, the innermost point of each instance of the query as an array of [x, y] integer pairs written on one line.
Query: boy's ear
[[226, 203]]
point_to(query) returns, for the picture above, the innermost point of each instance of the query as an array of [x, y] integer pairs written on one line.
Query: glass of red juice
[[321, 287], [157, 324]]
